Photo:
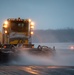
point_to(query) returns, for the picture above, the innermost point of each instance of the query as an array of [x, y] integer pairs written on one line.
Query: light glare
[[32, 33], [29, 20], [32, 23], [32, 26], [5, 31], [6, 22], [5, 26]]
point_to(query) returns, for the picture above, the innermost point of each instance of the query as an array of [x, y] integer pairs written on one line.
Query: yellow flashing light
[[5, 31], [29, 20], [32, 23], [6, 22], [5, 26], [32, 33], [32, 26]]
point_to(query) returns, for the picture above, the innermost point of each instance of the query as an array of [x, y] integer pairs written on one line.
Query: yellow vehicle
[[16, 31]]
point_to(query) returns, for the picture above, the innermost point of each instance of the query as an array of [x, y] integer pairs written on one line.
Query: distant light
[[72, 47]]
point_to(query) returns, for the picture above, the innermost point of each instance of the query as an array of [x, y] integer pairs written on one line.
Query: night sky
[[47, 14]]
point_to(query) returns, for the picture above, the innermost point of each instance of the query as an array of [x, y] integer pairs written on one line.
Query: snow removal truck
[[18, 32], [15, 31]]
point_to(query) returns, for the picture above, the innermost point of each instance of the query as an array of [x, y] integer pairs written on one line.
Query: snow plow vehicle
[[15, 31], [18, 33]]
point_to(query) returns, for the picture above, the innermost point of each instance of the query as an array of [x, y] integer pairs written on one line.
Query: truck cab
[[18, 31]]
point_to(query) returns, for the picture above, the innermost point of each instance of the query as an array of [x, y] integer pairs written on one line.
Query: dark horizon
[[60, 35]]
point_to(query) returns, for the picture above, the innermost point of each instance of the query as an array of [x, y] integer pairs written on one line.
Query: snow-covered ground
[[36, 70]]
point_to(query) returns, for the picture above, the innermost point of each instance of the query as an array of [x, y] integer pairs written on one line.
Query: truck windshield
[[19, 26]]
